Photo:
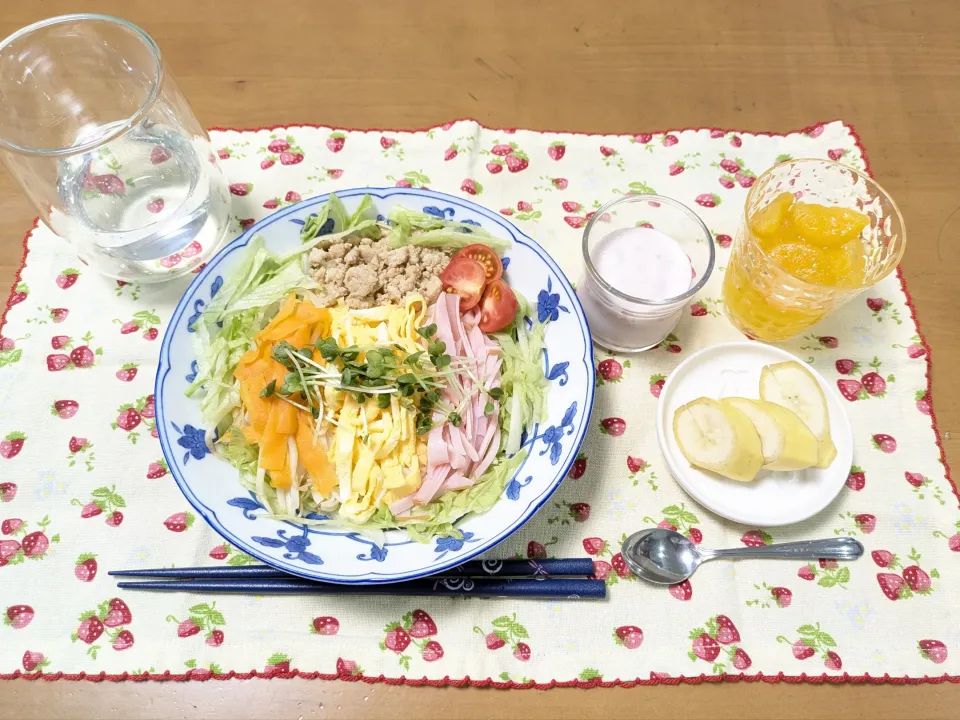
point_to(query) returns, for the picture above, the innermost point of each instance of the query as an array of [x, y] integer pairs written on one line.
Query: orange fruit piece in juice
[[826, 226], [768, 221]]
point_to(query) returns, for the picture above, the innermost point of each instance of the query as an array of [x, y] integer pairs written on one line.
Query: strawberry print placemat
[[84, 488]]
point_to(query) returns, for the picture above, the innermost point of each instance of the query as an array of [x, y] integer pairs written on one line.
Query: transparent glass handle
[[841, 548]]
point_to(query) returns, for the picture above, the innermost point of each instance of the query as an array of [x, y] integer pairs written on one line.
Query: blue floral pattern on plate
[[212, 486]]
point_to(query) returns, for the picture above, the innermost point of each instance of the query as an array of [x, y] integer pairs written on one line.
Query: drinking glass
[[96, 133], [764, 301], [644, 257]]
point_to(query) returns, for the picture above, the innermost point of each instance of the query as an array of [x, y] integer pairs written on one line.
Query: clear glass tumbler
[[644, 257], [96, 133], [764, 301]]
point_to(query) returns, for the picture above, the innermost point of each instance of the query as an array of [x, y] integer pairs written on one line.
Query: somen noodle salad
[[382, 375]]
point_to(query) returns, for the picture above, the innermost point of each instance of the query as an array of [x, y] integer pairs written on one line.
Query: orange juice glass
[[766, 302]]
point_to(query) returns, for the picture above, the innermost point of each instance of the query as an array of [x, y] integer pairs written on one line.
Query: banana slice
[[794, 387], [718, 437], [787, 443]]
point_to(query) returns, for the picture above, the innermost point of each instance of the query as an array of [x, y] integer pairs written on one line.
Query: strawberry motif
[[277, 664], [471, 187], [601, 570], [726, 631], [847, 367], [857, 479], [159, 154], [11, 445], [396, 640], [179, 522], [155, 205], [10, 526], [423, 625], [559, 183], [670, 140], [594, 546], [127, 372], [756, 538], [241, 189], [682, 591], [432, 651], [214, 638], [115, 613], [157, 469], [891, 584], [18, 616], [85, 569], [8, 491], [67, 278], [187, 628], [828, 342], [335, 142], [123, 640], [574, 221], [348, 668], [89, 630], [802, 651], [522, 652], [578, 468], [556, 150], [806, 573], [450, 153], [922, 398], [705, 647], [609, 371], [629, 636], [268, 162], [851, 390], [34, 661], [656, 384], [884, 443], [933, 650], [517, 161], [613, 426], [741, 661], [676, 168], [782, 595]]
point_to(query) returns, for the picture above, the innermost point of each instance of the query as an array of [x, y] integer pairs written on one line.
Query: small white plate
[[774, 498]]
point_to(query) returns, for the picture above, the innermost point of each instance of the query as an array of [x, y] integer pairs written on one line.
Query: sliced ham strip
[[397, 507], [431, 484], [468, 447], [457, 481], [437, 449], [488, 458], [458, 453]]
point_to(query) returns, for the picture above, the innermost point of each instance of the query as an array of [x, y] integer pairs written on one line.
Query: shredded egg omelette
[[361, 455]]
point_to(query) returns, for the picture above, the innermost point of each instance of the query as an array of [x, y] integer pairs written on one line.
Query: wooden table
[[622, 66]]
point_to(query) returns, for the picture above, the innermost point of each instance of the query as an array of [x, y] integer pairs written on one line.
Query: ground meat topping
[[365, 273]]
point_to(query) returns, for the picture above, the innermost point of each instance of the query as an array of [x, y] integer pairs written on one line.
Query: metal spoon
[[666, 557]]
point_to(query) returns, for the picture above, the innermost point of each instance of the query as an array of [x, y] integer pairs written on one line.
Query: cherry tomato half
[[466, 278], [498, 307], [486, 257]]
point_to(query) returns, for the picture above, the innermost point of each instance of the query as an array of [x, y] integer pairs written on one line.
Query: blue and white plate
[[337, 555]]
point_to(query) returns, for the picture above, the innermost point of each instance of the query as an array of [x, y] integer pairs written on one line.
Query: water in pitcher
[[145, 204]]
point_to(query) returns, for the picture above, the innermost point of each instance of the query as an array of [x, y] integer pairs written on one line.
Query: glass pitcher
[[96, 133]]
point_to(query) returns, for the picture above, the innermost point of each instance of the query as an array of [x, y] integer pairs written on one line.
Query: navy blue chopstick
[[568, 588], [577, 567]]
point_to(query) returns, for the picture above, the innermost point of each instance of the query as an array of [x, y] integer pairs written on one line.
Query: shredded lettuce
[[411, 227], [522, 378], [361, 223]]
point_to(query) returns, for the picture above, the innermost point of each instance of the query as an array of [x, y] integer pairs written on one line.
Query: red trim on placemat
[[16, 277], [201, 676], [758, 133], [923, 339]]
